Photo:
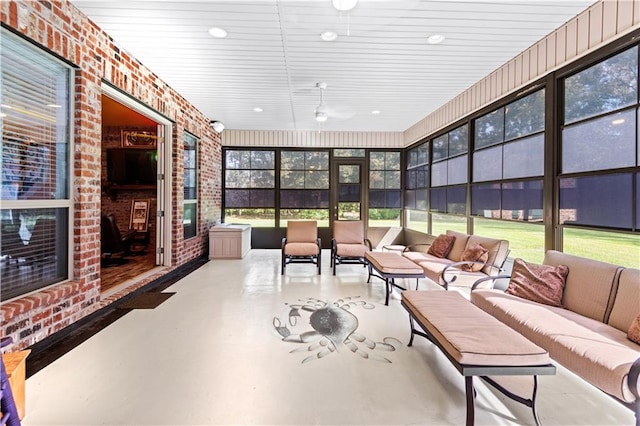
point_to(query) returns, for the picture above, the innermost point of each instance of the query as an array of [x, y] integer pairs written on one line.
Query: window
[[600, 150], [416, 187], [449, 175], [526, 240], [36, 202], [384, 188], [304, 186], [190, 203], [249, 194]]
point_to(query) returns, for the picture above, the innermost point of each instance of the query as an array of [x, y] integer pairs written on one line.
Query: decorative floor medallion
[[330, 327]]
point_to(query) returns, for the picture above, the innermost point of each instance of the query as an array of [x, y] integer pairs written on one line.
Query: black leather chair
[[114, 244]]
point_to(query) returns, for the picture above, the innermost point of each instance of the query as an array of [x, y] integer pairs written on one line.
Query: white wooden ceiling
[[273, 55]]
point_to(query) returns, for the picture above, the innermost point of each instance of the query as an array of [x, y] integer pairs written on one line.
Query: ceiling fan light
[[344, 5], [321, 116]]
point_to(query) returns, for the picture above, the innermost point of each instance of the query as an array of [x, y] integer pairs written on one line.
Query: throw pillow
[[538, 283], [634, 330], [442, 245], [474, 253]]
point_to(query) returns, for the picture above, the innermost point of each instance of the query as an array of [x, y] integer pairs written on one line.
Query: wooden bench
[[477, 344], [389, 266]]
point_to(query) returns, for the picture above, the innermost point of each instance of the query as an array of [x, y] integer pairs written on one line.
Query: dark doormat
[[149, 300]]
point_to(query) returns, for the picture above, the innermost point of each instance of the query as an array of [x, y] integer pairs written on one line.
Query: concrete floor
[[211, 355]]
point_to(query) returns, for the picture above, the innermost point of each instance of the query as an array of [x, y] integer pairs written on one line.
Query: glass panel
[[441, 147], [376, 161], [34, 246], [376, 179], [349, 174], [238, 159], [190, 167], [262, 179], [524, 158], [189, 221], [392, 180], [257, 218], [392, 161], [190, 192], [263, 159], [316, 180], [522, 201], [292, 160], [526, 240], [441, 223], [348, 152], [438, 200], [487, 164], [439, 174], [604, 200], [349, 211], [34, 122], [486, 200], [316, 198], [291, 179], [637, 201], [422, 177], [384, 217], [321, 216], [417, 220], [262, 198], [292, 199], [606, 246], [237, 198], [317, 160], [490, 129], [457, 200], [421, 199], [349, 193], [237, 178], [457, 170], [525, 116], [410, 199], [606, 86], [378, 198], [458, 141], [605, 143]]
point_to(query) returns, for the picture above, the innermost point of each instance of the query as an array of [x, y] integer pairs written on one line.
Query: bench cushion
[[392, 263], [597, 352], [468, 334]]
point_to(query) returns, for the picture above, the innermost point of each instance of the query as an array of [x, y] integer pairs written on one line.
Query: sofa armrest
[[492, 279], [411, 246], [633, 379], [453, 267]]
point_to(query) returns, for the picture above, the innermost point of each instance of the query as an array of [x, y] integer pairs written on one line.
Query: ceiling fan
[[322, 112]]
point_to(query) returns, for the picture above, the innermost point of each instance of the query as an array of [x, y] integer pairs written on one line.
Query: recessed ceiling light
[[54, 106], [257, 109], [344, 5], [375, 112], [329, 36], [617, 121], [435, 39], [217, 32]]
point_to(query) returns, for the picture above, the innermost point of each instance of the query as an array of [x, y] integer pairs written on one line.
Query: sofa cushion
[[474, 253], [458, 245], [441, 246], [588, 284], [634, 330], [539, 283], [626, 304], [595, 351], [498, 251]]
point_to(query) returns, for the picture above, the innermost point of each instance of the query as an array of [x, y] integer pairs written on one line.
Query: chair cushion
[[351, 250], [302, 231], [348, 232], [441, 246], [301, 249], [538, 283]]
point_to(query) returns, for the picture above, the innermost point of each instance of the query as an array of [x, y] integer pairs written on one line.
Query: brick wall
[[59, 27]]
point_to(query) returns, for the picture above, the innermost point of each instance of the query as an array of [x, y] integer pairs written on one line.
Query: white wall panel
[[311, 138], [600, 24]]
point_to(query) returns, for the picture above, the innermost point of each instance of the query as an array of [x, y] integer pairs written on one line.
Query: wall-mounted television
[[132, 166]]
